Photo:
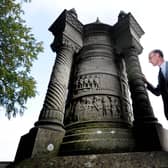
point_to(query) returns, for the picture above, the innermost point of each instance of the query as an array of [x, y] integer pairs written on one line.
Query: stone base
[[155, 159], [97, 137], [39, 141], [150, 137], [147, 136]]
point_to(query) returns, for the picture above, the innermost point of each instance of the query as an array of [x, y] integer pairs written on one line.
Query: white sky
[[150, 14]]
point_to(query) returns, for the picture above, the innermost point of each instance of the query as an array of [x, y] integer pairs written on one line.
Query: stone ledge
[[5, 164], [156, 159]]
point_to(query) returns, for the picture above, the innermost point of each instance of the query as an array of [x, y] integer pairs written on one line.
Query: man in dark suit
[[156, 58]]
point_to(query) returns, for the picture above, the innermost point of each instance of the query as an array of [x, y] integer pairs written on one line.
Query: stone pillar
[[145, 124], [127, 34], [52, 113], [49, 131], [141, 105]]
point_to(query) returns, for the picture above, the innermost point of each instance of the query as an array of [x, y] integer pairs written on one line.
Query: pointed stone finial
[[122, 15], [73, 12], [97, 20]]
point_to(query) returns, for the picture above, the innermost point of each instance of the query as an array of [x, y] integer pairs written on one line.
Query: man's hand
[[144, 78]]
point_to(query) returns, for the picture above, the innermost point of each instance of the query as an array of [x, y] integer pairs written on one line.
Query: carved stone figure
[[90, 82], [117, 108], [96, 82], [106, 105], [97, 103], [85, 83], [80, 84]]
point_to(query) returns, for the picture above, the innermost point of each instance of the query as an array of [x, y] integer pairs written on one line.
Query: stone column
[[141, 105], [145, 124], [127, 33], [49, 131], [52, 113]]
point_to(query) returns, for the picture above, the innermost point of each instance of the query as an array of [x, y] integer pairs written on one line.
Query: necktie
[[162, 81], [161, 76]]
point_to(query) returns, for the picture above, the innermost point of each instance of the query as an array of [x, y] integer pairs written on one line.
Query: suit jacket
[[161, 89]]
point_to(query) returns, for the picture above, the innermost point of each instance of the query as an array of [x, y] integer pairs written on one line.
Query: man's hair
[[157, 51]]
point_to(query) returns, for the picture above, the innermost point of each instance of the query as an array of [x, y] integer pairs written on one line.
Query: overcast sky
[[40, 14]]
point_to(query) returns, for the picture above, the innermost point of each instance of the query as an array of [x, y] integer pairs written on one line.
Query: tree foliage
[[18, 50]]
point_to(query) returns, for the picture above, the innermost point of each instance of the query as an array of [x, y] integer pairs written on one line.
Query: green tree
[[18, 50]]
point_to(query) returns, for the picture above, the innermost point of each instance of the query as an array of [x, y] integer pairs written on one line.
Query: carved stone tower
[[98, 104], [87, 107]]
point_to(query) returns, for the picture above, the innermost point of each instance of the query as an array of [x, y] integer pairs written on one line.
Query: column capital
[[67, 31], [64, 43], [127, 33]]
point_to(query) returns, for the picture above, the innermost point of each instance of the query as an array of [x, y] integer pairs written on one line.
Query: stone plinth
[[115, 160]]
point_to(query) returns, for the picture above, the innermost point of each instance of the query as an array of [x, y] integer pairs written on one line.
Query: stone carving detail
[[125, 90], [106, 105], [127, 112], [135, 25], [52, 113], [74, 22], [55, 97], [63, 58], [62, 43], [71, 45], [115, 107], [96, 108], [100, 83], [87, 82]]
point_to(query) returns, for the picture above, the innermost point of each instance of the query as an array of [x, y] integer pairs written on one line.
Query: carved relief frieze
[[97, 107], [74, 22], [115, 107], [127, 112], [125, 90], [70, 44], [87, 82]]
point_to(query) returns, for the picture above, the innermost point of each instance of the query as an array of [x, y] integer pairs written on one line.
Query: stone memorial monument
[[96, 102]]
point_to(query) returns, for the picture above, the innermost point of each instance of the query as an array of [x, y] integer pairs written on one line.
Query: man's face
[[154, 58]]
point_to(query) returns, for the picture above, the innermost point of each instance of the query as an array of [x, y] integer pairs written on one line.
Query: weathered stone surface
[[98, 110], [88, 99], [115, 160], [67, 41], [39, 141], [67, 31]]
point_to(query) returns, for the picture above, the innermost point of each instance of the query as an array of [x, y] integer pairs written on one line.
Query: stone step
[[155, 159]]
